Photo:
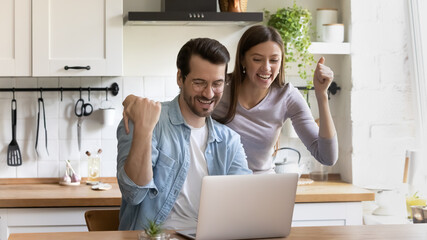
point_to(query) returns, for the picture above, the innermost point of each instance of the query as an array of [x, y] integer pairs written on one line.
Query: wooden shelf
[[329, 48]]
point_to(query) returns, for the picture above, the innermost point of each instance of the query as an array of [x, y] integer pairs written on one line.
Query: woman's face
[[262, 63]]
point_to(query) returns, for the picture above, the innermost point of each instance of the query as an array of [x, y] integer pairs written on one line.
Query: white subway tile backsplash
[[51, 107], [70, 82], [109, 150], [6, 83], [90, 82], [48, 169], [26, 83], [132, 85], [108, 168], [5, 106], [154, 87], [83, 168], [62, 123], [66, 107], [28, 169], [6, 133], [171, 87], [26, 107], [109, 132], [69, 150], [68, 128], [5, 170], [91, 129], [26, 128]]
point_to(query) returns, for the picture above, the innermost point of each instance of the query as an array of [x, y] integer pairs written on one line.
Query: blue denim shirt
[[171, 159]]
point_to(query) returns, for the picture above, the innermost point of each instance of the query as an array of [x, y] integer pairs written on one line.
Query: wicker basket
[[223, 5]]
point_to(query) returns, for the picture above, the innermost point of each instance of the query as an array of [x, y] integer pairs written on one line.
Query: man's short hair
[[207, 48]]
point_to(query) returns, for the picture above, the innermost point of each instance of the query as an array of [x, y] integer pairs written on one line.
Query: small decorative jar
[[333, 33], [325, 16]]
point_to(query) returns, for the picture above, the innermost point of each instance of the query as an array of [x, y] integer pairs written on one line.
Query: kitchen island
[[380, 232], [42, 205]]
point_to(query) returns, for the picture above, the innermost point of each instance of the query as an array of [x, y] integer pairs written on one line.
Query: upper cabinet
[[61, 38], [77, 37], [15, 40]]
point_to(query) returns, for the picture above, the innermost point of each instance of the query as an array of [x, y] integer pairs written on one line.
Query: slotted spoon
[[14, 157]]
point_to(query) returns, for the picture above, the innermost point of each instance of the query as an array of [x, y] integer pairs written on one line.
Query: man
[[172, 145]]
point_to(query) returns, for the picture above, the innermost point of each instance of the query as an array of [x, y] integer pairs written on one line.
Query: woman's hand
[[141, 111], [323, 76], [322, 79]]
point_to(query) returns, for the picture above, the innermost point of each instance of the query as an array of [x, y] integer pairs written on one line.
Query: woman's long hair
[[251, 37]]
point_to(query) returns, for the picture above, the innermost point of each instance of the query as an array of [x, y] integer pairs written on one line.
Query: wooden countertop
[[332, 191], [50, 194], [373, 232], [55, 195]]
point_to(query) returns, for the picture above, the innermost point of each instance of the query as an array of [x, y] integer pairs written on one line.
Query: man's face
[[203, 86]]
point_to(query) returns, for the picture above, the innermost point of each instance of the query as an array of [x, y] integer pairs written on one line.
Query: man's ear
[[179, 79]]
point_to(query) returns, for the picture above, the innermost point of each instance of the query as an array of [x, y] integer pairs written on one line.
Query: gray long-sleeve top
[[259, 127]]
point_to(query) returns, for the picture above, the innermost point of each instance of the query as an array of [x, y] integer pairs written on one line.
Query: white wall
[[383, 110]]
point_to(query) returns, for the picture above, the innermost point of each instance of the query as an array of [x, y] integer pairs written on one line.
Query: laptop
[[245, 206]]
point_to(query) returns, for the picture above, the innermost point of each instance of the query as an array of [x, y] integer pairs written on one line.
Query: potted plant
[[293, 24], [153, 231]]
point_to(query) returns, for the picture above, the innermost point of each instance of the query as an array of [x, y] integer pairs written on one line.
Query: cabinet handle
[[77, 67]]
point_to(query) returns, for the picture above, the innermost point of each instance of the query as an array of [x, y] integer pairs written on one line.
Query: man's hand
[[322, 79], [142, 112]]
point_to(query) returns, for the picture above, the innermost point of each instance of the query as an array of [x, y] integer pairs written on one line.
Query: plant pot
[[233, 5], [160, 236]]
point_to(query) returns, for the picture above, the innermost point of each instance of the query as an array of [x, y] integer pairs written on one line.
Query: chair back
[[102, 220]]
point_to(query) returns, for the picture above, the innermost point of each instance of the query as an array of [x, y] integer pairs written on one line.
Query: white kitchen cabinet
[[15, 40], [77, 33], [327, 214], [33, 220]]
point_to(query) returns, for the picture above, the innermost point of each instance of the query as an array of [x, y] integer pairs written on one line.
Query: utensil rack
[[333, 88], [114, 89]]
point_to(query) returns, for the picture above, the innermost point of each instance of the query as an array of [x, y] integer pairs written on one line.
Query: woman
[[258, 102]]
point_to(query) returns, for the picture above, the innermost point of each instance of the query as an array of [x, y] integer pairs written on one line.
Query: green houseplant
[[293, 24], [153, 231]]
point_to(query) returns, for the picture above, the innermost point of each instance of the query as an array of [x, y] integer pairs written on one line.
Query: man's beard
[[192, 101]]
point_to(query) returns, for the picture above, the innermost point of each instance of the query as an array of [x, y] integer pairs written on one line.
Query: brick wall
[[383, 107]]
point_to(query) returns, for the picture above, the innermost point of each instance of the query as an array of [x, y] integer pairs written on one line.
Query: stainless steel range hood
[[191, 12]]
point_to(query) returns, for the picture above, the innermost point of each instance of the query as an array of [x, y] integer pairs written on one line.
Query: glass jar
[[94, 167]]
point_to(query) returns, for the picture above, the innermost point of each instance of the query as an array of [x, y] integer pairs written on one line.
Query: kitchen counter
[[40, 205], [407, 232], [332, 191], [50, 194]]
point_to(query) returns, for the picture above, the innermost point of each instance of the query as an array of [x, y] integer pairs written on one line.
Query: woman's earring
[[244, 70]]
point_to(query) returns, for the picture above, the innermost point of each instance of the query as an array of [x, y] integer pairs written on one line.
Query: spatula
[[14, 157]]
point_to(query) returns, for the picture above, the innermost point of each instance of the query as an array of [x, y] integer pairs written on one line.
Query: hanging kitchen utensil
[[81, 109], [14, 157], [41, 103]]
